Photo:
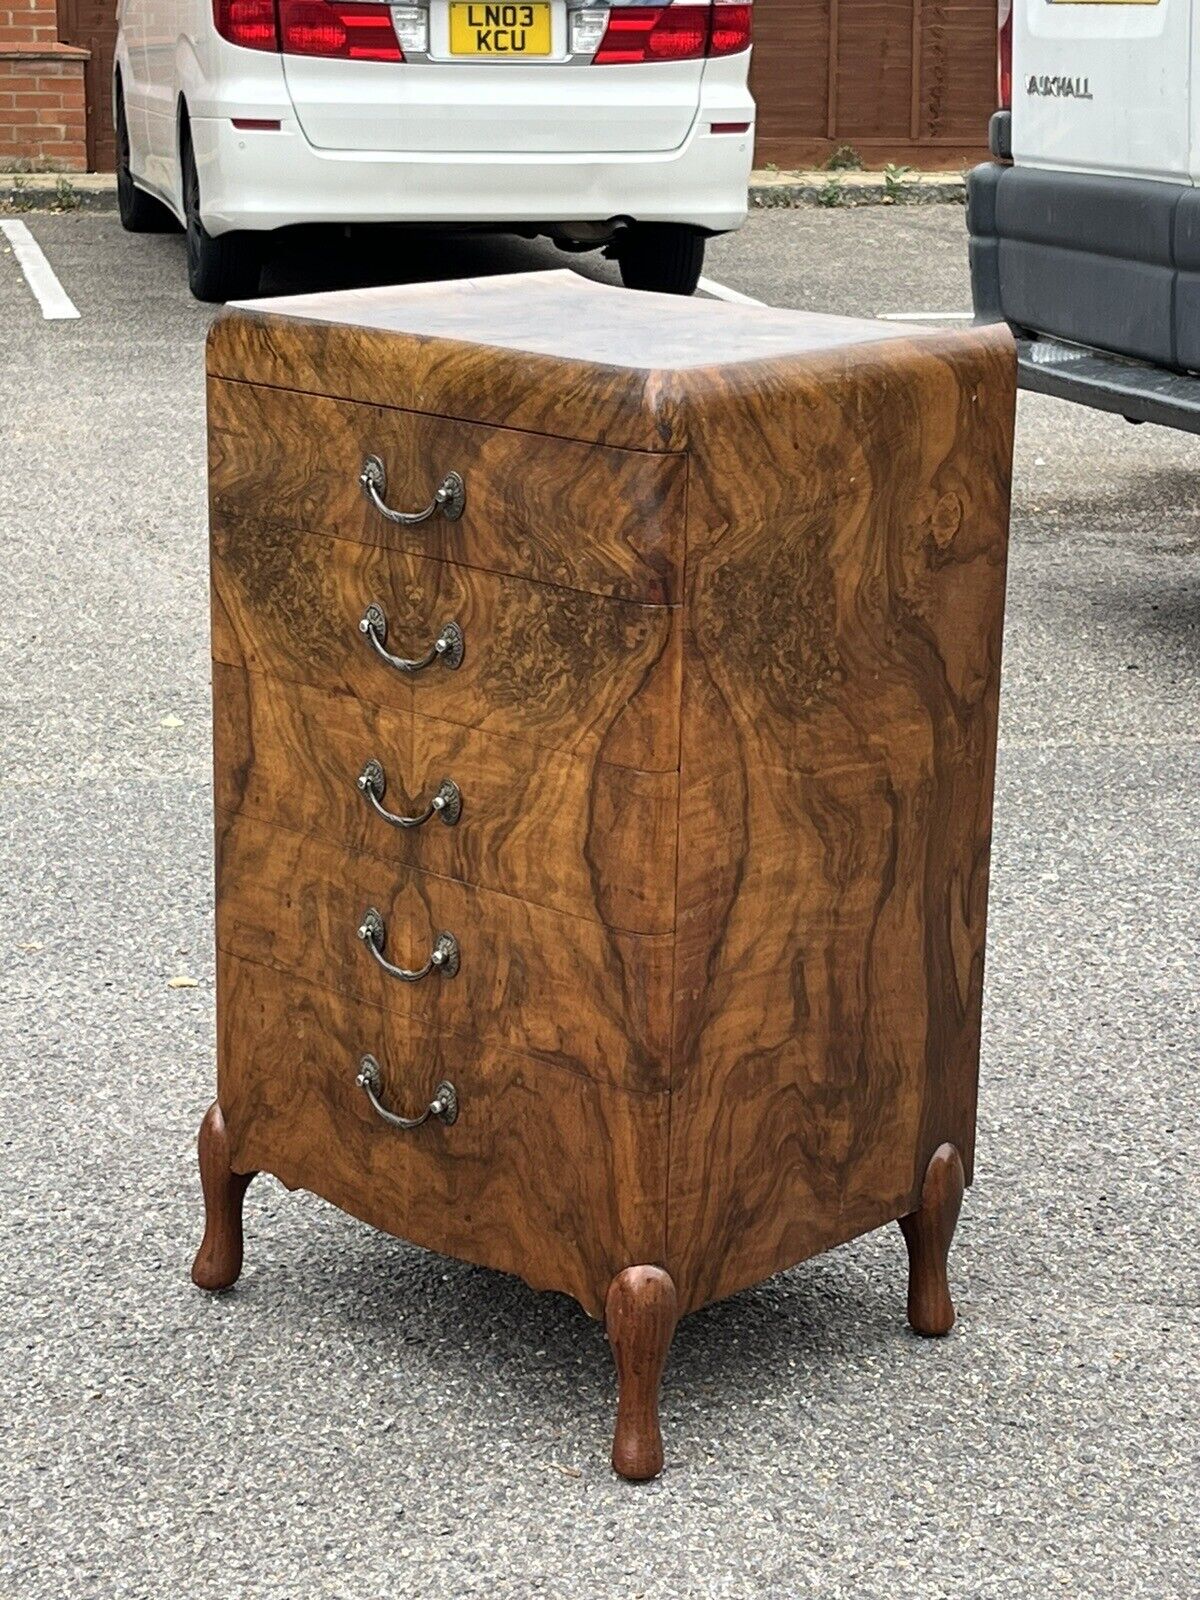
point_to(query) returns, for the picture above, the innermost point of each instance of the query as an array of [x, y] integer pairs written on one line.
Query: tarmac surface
[[359, 1419]]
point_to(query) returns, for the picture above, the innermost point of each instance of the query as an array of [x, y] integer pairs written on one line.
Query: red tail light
[[653, 33], [673, 33], [250, 23], [732, 26], [1004, 53], [345, 29]]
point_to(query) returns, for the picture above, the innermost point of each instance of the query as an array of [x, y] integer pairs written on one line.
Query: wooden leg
[[640, 1316], [927, 1233], [219, 1258]]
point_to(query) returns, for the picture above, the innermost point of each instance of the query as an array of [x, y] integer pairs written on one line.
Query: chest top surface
[[550, 351], [576, 319]]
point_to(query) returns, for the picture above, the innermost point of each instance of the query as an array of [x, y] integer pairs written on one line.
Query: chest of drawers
[[605, 695]]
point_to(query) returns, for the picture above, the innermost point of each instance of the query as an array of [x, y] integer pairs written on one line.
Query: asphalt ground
[[361, 1419]]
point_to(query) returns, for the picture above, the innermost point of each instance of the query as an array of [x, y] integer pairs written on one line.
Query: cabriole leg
[[927, 1233], [219, 1258], [640, 1315]]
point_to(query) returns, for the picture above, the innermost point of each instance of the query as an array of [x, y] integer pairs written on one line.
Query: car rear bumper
[[260, 180], [1109, 262]]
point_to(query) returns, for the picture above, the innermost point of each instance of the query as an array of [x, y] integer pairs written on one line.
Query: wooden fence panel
[[898, 80], [874, 70], [957, 70], [790, 69]]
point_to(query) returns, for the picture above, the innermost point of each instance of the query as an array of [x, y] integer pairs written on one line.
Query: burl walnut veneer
[[619, 818]]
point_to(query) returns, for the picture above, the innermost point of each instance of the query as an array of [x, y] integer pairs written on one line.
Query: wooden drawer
[[543, 1173], [563, 669], [589, 839], [580, 515], [566, 990]]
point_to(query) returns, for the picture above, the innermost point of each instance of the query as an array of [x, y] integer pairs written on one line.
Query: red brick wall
[[28, 22], [43, 116]]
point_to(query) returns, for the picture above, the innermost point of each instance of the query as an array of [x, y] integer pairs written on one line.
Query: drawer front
[[585, 838], [570, 671], [584, 516], [566, 990], [543, 1173]]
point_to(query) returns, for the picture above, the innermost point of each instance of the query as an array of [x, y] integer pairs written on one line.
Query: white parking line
[[720, 292], [926, 316], [54, 300]]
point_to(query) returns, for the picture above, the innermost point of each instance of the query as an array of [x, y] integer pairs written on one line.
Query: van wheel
[[139, 212], [223, 268], [665, 257]]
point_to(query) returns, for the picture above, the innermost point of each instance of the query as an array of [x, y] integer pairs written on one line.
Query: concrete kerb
[[97, 191]]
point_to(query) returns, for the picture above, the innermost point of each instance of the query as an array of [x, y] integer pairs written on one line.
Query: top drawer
[[582, 516]]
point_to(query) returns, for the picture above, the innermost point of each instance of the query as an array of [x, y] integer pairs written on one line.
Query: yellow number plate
[[485, 28]]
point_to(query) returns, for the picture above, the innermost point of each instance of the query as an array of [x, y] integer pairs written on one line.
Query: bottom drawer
[[543, 1173]]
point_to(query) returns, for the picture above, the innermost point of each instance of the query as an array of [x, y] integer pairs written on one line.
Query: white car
[[1085, 229], [623, 127]]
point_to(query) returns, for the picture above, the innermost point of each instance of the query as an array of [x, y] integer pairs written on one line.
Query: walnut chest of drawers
[[605, 694]]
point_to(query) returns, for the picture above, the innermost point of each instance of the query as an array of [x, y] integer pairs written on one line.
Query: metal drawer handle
[[450, 498], [446, 803], [444, 1104], [447, 647], [443, 957]]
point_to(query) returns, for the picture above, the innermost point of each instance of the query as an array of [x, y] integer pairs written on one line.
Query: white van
[[1085, 230], [602, 124]]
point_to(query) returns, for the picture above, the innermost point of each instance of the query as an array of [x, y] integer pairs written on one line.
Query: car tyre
[[665, 257], [227, 267], [139, 212]]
